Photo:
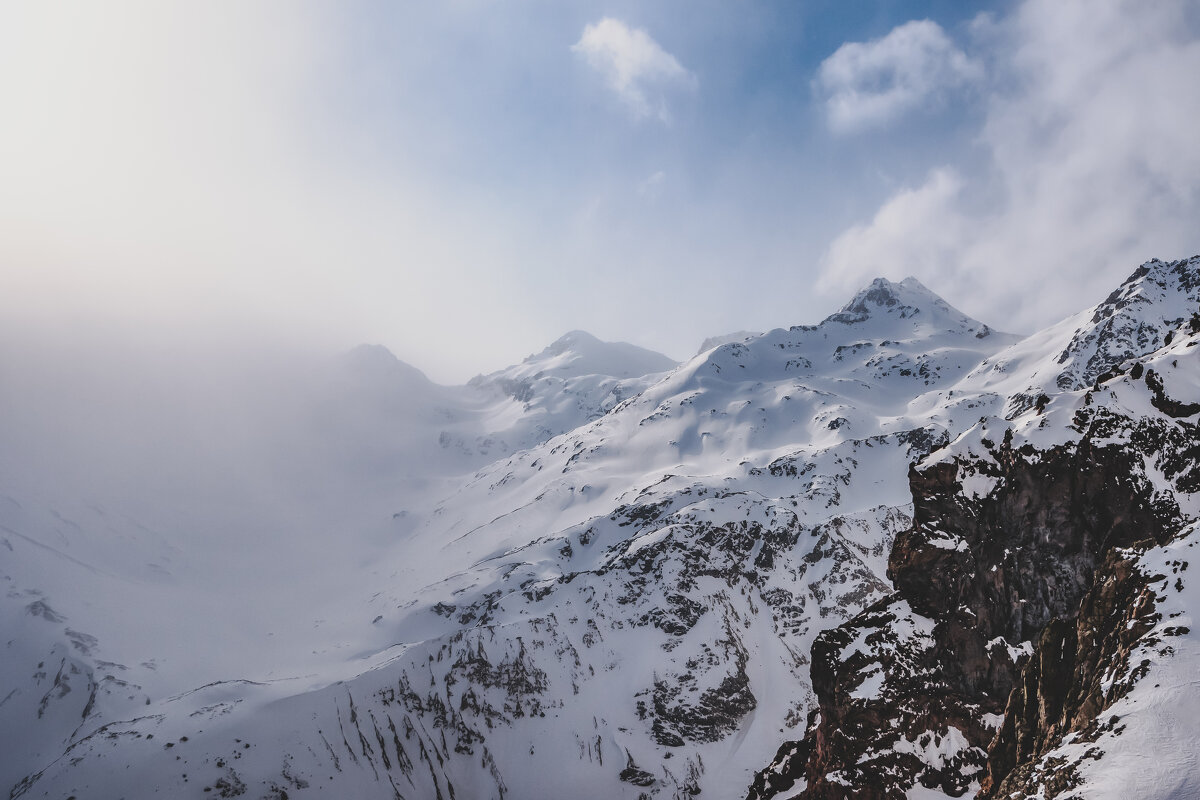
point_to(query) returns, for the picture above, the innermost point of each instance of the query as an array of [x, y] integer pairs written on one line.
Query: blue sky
[[464, 181]]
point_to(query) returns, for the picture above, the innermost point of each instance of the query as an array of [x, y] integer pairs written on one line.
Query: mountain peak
[[577, 353], [574, 340], [882, 293], [376, 362], [883, 299], [1152, 281]]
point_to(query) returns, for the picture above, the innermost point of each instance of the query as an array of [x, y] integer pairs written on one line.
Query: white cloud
[[633, 64], [1091, 165], [870, 83], [884, 246]]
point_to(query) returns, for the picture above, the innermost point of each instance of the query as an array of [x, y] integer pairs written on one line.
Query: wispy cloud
[[1090, 167], [635, 66], [865, 84], [886, 245], [652, 185]]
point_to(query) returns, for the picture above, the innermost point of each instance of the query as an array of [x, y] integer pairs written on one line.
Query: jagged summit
[[881, 293], [894, 334], [1135, 319], [1149, 282], [908, 299]]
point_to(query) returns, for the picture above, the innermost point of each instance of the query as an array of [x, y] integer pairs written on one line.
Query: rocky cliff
[[1020, 590]]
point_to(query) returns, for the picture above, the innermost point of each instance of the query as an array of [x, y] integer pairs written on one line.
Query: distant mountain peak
[[376, 362], [572, 340], [578, 353], [882, 299], [884, 294]]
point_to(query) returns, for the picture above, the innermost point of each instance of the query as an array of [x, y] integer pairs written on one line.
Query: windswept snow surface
[[592, 574]]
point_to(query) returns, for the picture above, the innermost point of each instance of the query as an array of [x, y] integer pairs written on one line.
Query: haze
[[463, 182]]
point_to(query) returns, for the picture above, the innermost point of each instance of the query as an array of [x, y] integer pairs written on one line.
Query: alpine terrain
[[895, 554]]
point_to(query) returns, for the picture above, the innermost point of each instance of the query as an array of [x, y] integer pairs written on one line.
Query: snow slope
[[172, 519]]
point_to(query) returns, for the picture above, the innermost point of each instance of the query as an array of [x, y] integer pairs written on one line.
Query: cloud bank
[[1088, 166]]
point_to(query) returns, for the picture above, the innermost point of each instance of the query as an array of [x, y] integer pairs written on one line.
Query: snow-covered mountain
[[394, 408], [157, 514], [599, 574], [1038, 643], [575, 380]]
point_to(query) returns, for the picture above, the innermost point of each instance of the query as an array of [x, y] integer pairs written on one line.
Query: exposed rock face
[[1022, 556], [907, 688], [1068, 683], [1027, 551]]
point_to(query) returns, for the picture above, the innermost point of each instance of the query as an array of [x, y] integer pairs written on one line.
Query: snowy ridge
[[737, 337], [1073, 354], [579, 353]]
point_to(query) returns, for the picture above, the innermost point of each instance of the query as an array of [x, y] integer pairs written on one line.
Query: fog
[[150, 475]]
